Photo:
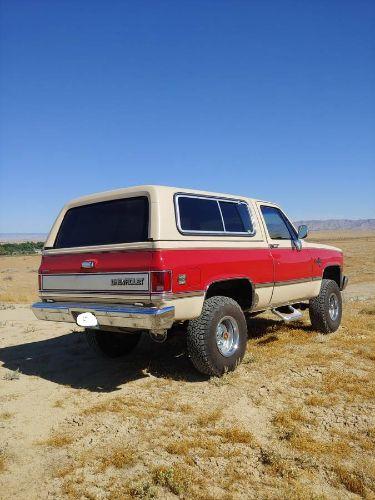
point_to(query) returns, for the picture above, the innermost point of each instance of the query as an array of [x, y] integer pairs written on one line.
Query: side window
[[236, 217], [199, 214], [277, 225], [213, 215]]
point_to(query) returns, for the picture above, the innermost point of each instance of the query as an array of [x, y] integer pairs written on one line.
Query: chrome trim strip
[[287, 282], [264, 285], [177, 295], [293, 282]]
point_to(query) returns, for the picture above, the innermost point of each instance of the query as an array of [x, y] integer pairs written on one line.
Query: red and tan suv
[[145, 258]]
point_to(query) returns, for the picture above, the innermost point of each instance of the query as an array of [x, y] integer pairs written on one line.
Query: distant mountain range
[[20, 237], [339, 224], [313, 225]]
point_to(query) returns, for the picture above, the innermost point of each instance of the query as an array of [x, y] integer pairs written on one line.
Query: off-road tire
[[319, 308], [201, 337], [110, 344]]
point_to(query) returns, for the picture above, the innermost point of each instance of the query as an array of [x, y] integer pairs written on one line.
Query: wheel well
[[332, 273], [238, 289]]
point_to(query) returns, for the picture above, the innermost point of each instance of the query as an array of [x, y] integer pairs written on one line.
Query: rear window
[[208, 215], [105, 223]]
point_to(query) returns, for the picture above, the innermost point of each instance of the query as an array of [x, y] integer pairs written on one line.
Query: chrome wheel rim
[[227, 336], [333, 306]]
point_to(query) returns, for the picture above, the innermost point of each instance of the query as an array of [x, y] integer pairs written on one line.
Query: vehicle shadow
[[68, 360], [258, 327]]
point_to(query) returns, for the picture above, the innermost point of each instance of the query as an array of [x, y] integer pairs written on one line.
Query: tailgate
[[116, 273]]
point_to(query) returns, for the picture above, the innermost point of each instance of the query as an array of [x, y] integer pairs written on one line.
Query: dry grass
[[2, 462], [305, 442], [209, 418], [5, 415], [358, 248], [288, 418], [351, 479], [355, 387], [235, 435], [21, 283], [176, 479], [58, 404], [117, 457], [58, 440]]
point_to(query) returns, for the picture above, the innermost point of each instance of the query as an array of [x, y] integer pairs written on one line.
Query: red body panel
[[137, 260], [203, 266], [322, 258]]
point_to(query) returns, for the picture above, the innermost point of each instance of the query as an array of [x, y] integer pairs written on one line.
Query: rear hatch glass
[[108, 222]]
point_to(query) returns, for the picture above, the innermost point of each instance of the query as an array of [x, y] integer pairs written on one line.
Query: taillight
[[161, 281], [40, 281]]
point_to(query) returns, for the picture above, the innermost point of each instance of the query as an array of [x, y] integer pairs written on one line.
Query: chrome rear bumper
[[114, 315]]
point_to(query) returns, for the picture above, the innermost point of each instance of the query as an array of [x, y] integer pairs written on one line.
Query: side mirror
[[303, 231]]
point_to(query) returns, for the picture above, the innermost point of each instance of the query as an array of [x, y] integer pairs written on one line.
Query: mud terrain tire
[[111, 344], [221, 328], [326, 309]]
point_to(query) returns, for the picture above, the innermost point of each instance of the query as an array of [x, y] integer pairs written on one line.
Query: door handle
[[274, 245]]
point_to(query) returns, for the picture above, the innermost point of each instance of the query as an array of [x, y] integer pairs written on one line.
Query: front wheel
[[326, 309], [112, 344], [216, 340]]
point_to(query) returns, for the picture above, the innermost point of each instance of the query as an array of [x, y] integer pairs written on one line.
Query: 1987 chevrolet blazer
[[148, 257]]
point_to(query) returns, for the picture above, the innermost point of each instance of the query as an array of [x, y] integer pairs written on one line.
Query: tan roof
[[151, 188]]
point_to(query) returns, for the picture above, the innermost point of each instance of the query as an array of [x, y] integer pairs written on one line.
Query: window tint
[[236, 217], [207, 215], [276, 224], [199, 214], [104, 223]]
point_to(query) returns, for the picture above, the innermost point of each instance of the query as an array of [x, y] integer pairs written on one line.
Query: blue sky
[[271, 99]]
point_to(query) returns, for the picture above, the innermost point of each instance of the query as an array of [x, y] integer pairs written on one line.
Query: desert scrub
[[6, 415], [175, 478], [27, 248], [117, 457]]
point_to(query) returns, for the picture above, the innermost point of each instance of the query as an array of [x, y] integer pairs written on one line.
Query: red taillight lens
[[161, 281]]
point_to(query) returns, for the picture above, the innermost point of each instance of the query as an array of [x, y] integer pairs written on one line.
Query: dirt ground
[[295, 421]]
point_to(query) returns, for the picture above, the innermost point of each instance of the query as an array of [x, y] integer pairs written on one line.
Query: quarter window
[[278, 227], [236, 217], [209, 215]]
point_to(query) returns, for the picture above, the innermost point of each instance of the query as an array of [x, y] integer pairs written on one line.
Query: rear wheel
[[326, 309], [217, 339], [112, 344]]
